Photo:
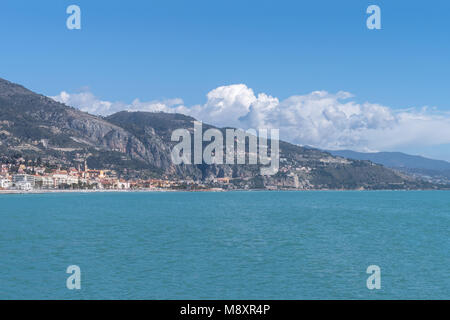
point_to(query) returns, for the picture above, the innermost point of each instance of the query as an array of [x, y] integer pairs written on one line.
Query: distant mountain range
[[137, 145], [437, 171]]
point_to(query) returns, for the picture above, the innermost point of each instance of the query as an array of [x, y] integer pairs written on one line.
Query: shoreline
[[206, 190], [78, 191]]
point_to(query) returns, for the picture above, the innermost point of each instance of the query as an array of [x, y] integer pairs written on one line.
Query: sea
[[226, 245]]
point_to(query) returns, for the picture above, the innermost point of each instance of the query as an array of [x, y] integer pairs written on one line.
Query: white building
[[23, 181], [5, 183], [72, 180], [45, 182], [122, 185], [64, 179]]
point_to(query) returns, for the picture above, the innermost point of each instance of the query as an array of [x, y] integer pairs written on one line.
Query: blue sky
[[158, 50]]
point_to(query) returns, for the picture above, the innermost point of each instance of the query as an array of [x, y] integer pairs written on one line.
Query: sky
[[310, 68]]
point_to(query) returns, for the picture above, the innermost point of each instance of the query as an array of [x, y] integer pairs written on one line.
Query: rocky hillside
[[436, 171], [138, 145]]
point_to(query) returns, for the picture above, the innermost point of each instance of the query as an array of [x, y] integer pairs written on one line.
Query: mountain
[[138, 145], [300, 168], [433, 170], [36, 125]]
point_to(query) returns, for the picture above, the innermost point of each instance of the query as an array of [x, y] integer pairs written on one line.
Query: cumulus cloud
[[319, 119], [88, 102]]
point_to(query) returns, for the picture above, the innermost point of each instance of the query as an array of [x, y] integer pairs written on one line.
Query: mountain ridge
[[425, 168], [137, 145]]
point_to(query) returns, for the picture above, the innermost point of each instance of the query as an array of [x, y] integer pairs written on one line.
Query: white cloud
[[319, 119], [87, 102]]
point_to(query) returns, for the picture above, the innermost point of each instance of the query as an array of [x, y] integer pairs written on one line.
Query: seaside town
[[25, 176]]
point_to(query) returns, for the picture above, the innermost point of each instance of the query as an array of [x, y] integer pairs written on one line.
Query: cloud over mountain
[[86, 101], [320, 119]]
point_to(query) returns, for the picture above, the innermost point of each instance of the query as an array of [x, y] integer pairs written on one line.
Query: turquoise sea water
[[233, 245]]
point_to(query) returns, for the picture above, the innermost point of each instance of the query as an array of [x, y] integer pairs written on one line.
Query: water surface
[[232, 245]]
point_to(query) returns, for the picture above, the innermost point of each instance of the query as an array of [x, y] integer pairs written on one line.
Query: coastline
[[78, 191], [5, 192]]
